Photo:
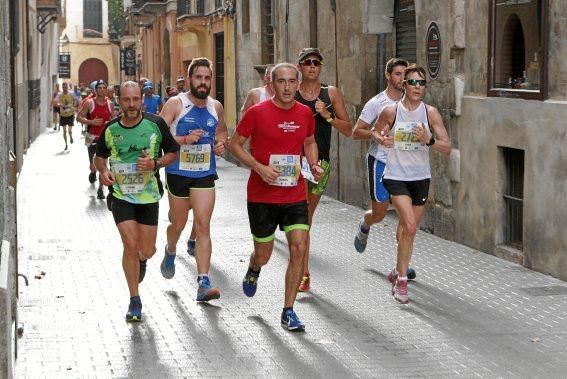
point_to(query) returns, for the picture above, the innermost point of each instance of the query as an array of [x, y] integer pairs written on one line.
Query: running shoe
[[250, 282], [291, 321], [66, 147], [191, 247], [206, 291], [100, 194], [167, 266], [360, 239], [71, 139], [134, 310], [143, 265], [392, 275], [92, 177], [400, 291], [304, 285]]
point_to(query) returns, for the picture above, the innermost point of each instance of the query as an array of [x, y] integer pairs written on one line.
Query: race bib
[[404, 139], [306, 171], [195, 157], [289, 168], [129, 179], [90, 139]]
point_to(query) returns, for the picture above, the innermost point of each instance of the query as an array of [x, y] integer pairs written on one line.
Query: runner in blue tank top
[[197, 123]]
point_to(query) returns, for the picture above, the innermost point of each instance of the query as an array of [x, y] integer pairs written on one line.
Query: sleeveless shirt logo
[[210, 122], [288, 127]]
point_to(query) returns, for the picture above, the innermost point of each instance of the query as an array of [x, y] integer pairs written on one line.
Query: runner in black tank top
[[328, 106]]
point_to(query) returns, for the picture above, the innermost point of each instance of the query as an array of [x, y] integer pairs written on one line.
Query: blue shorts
[[375, 186]]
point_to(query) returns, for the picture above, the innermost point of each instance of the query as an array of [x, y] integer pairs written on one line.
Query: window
[[404, 22], [245, 16], [518, 49], [201, 7], [218, 4], [267, 30], [513, 196], [92, 18], [183, 7]]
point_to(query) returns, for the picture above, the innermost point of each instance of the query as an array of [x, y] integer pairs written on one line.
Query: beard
[[127, 113], [200, 95]]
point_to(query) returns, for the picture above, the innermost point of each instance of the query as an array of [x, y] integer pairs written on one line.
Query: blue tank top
[[195, 155]]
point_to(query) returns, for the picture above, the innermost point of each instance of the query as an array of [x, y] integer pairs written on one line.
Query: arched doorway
[[92, 69], [513, 50]]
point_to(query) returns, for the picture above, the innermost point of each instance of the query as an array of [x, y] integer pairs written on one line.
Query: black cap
[[305, 52], [99, 82]]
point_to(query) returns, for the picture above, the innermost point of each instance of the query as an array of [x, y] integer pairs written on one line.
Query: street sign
[[65, 65], [121, 59], [129, 61], [433, 50]]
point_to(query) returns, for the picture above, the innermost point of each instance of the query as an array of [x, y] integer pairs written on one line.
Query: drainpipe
[[334, 9], [286, 31]]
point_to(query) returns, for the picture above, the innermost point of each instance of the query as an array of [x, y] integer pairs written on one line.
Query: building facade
[[495, 73], [85, 42]]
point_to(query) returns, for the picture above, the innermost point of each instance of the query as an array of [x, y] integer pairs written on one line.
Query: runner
[[328, 108], [280, 131], [257, 95], [197, 122], [412, 128], [152, 103], [180, 84], [95, 113], [133, 144], [67, 103]]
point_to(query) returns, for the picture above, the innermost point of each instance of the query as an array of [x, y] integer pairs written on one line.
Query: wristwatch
[[330, 119], [431, 141]]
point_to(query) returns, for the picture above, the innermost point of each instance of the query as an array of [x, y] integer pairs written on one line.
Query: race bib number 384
[[404, 139], [289, 167], [129, 179], [195, 157]]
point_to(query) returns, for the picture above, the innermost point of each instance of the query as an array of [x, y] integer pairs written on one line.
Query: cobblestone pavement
[[470, 314]]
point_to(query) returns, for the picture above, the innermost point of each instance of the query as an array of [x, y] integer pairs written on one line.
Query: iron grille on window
[[514, 197], [184, 7], [218, 4], [200, 6], [219, 67], [267, 33], [92, 18]]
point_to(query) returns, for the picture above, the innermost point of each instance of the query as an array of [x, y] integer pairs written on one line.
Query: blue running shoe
[[206, 291], [250, 282], [168, 265], [291, 322], [411, 273], [360, 239], [134, 310], [191, 247]]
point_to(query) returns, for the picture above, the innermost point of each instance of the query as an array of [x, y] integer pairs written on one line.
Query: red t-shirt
[[99, 111], [273, 130]]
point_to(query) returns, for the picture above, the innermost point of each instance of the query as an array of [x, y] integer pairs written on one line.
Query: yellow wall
[[80, 52]]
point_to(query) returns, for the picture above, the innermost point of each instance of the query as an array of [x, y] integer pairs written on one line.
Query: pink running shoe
[[392, 276], [400, 291]]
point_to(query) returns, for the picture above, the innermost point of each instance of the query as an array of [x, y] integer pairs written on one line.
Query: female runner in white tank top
[[409, 130]]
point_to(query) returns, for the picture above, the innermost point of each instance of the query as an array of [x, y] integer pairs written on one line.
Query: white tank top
[[408, 159], [263, 94]]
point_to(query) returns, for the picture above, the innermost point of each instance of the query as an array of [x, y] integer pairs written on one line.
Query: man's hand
[[220, 147], [321, 108], [268, 174], [317, 171], [382, 139], [144, 162], [421, 133], [97, 122], [106, 177], [193, 137]]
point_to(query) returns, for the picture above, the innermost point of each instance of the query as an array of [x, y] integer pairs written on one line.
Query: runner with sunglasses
[[409, 130], [328, 107]]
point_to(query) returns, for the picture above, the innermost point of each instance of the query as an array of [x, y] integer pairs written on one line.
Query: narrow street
[[470, 314]]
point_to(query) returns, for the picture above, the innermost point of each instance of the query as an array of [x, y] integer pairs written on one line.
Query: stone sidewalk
[[470, 314]]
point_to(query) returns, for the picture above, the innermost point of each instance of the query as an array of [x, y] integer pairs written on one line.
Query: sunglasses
[[311, 62], [415, 82]]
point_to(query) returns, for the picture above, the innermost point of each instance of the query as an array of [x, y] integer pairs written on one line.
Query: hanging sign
[[433, 50]]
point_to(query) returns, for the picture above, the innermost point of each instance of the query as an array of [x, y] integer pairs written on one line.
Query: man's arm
[[380, 133], [251, 99], [341, 121], [106, 176], [361, 130], [169, 112], [442, 142], [312, 155], [221, 134], [236, 147]]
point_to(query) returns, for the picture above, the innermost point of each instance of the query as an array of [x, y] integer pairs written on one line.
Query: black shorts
[[55, 109], [179, 186], [417, 190], [265, 217], [145, 214], [66, 120]]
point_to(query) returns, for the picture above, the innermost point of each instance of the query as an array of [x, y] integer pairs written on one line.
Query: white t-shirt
[[370, 114]]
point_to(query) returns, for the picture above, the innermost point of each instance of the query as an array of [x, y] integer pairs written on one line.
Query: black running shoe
[[92, 177], [143, 265], [100, 194]]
